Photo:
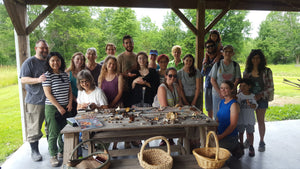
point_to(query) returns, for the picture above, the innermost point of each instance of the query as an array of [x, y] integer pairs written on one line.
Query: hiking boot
[[171, 141], [246, 144], [53, 161], [262, 146], [251, 151], [35, 154]]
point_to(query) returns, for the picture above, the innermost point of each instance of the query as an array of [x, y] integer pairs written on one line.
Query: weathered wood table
[[148, 122]]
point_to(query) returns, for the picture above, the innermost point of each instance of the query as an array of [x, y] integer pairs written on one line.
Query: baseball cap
[[153, 52]]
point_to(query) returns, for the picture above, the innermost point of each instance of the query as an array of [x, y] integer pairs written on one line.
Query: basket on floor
[[155, 158], [102, 160], [211, 157]]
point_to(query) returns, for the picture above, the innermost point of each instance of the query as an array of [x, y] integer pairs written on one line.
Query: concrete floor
[[282, 151]]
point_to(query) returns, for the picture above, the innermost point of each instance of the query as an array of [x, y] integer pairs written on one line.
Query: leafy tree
[[7, 45], [279, 37]]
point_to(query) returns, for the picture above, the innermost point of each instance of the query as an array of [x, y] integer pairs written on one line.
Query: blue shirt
[[223, 116]]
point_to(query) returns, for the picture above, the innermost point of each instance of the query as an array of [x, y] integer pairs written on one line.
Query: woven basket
[[89, 162], [211, 157], [155, 158]]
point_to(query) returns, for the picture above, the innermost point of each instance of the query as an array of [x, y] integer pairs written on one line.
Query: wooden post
[[200, 24]]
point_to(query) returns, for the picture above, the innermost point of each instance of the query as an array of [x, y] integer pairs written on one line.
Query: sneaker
[[262, 146], [251, 151], [162, 143], [171, 141], [60, 155], [54, 162], [246, 144]]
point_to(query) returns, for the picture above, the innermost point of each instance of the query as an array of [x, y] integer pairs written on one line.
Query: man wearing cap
[[152, 64]]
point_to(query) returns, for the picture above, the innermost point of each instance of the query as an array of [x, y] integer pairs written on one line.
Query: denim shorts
[[262, 104], [249, 128]]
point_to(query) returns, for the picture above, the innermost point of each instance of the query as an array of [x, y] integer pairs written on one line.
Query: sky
[[157, 16]]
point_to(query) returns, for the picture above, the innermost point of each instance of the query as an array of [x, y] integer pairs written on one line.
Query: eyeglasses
[[83, 81], [170, 76], [210, 46]]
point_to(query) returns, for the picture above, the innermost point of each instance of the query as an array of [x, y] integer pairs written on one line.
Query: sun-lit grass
[[8, 75]]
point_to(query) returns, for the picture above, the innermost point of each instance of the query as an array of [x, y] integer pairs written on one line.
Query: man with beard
[[32, 75], [127, 62], [211, 54]]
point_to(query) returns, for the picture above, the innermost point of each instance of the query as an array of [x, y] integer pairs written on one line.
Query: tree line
[[71, 29]]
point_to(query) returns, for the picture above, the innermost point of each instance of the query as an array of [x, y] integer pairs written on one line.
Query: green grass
[[10, 116], [8, 76]]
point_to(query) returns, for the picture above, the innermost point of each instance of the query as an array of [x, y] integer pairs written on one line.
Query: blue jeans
[[216, 102]]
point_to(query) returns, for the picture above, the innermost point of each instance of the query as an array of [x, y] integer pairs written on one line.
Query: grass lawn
[[10, 117]]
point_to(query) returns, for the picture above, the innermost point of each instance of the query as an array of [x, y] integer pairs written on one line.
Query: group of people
[[139, 80]]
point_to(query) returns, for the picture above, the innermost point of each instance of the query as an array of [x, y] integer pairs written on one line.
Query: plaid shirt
[[268, 91]]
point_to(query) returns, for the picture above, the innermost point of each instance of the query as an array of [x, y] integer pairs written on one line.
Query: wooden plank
[[17, 14], [185, 20], [41, 17], [70, 141]]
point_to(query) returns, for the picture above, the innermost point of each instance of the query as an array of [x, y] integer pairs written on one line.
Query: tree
[[279, 37], [7, 45]]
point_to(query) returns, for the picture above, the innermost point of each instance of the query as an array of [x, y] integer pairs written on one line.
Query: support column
[[200, 24]]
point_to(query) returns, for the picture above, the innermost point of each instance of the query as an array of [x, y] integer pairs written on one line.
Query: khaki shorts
[[34, 118]]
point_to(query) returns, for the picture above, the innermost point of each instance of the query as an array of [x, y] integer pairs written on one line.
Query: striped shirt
[[59, 84]]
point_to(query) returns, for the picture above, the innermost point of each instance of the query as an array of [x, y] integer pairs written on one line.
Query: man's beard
[[43, 56], [129, 49]]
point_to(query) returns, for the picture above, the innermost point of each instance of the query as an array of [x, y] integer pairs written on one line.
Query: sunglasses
[[210, 46], [170, 76]]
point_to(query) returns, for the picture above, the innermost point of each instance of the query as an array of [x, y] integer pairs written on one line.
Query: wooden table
[[141, 128]]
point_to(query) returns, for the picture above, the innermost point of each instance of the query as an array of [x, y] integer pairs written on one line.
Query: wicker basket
[[155, 158], [89, 162], [211, 157]]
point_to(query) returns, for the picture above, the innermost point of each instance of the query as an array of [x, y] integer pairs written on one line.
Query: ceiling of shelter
[[271, 5]]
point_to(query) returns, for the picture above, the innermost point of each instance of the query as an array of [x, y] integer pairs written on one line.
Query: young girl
[[77, 64], [246, 120], [92, 66], [214, 35]]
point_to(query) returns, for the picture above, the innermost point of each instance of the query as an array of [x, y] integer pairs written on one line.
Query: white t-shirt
[[97, 96], [246, 116]]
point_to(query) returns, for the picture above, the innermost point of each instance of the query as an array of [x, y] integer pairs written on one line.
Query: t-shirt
[[172, 64], [97, 96], [225, 72], [188, 83], [34, 68], [59, 84], [223, 116], [246, 115], [126, 62], [95, 73]]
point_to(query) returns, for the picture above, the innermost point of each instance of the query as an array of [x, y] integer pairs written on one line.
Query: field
[[285, 106]]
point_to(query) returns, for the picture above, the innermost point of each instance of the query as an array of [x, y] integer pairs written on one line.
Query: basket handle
[[155, 138], [216, 141], [89, 140]]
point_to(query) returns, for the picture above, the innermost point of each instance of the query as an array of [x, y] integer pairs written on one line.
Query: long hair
[[262, 63], [104, 68], [72, 65], [192, 69], [85, 74], [216, 33], [137, 63], [63, 64]]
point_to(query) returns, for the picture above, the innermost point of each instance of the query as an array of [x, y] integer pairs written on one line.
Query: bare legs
[[260, 115]]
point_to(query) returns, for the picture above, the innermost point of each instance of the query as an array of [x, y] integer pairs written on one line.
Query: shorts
[[249, 128], [262, 104], [208, 99]]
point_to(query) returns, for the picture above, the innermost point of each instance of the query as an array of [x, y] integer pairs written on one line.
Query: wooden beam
[[200, 23], [41, 17], [221, 14], [16, 12], [185, 20]]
